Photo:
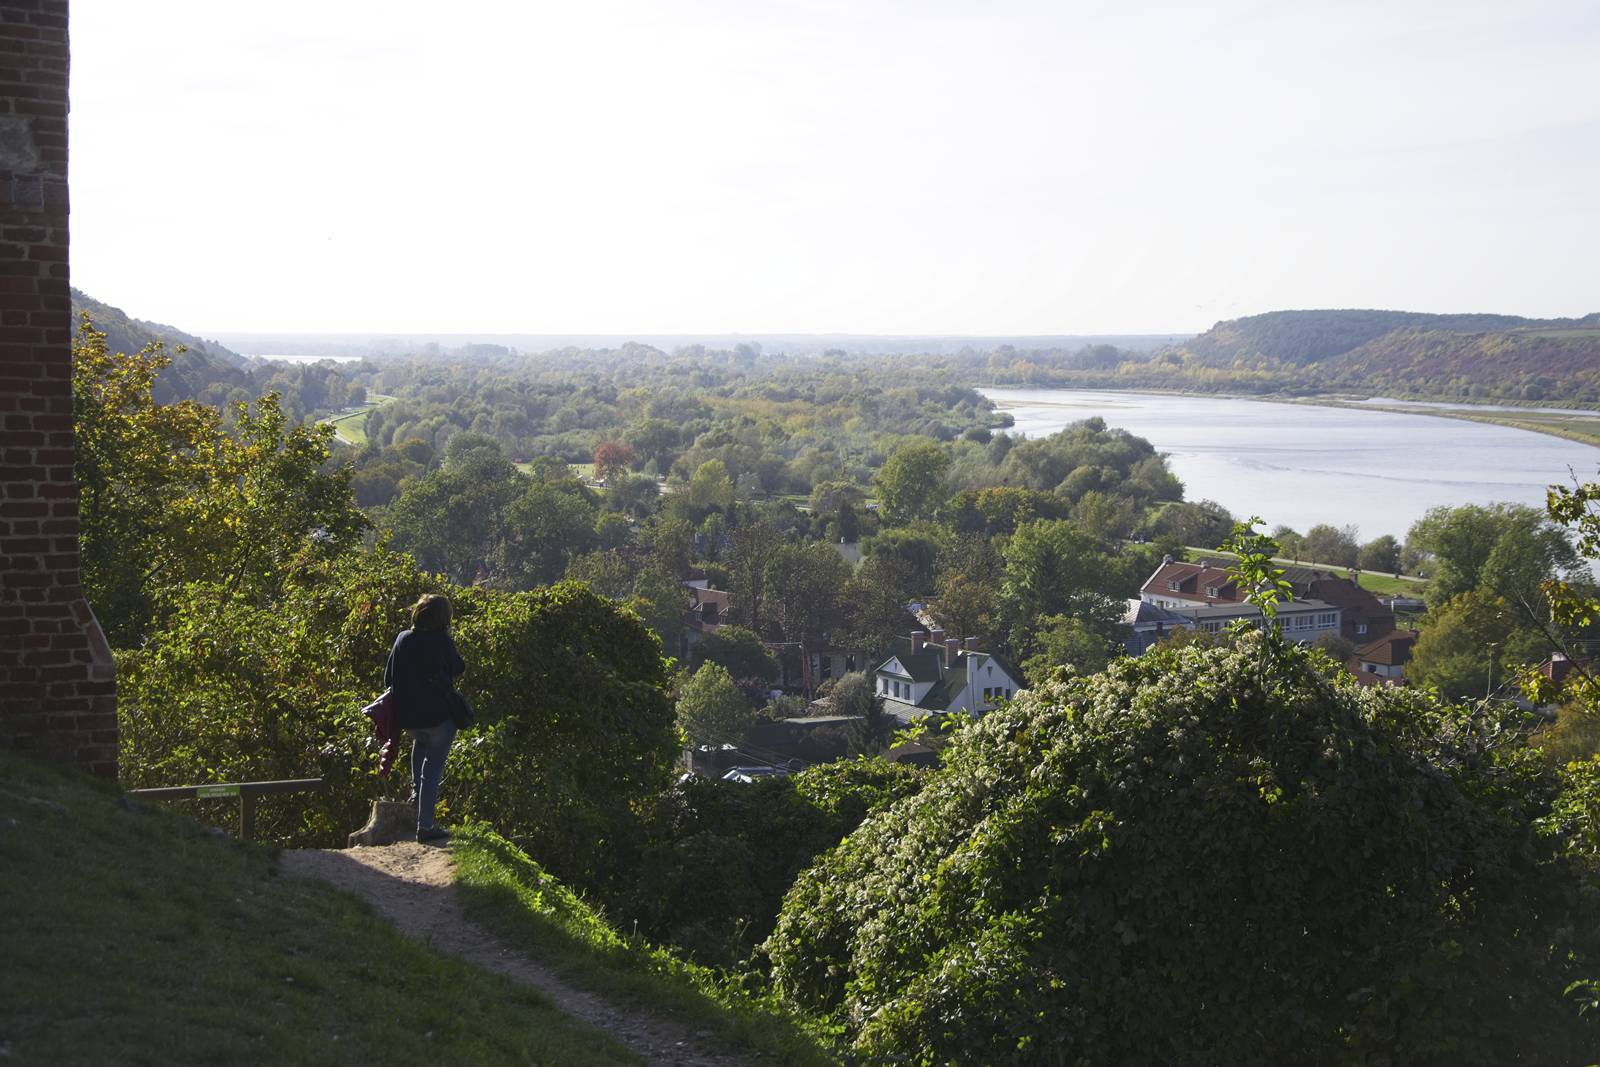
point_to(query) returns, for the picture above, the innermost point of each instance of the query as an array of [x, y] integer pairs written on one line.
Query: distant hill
[[197, 371], [214, 374], [1505, 356]]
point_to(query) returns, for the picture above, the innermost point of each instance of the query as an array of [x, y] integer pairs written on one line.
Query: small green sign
[[204, 792]]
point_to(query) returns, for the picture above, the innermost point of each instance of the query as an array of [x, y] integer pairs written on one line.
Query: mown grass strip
[[140, 937], [509, 894]]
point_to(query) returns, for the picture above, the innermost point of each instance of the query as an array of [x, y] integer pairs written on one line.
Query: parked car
[[750, 774]]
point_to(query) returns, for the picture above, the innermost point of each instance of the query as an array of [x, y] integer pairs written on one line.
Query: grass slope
[[508, 893], [351, 426], [139, 937]]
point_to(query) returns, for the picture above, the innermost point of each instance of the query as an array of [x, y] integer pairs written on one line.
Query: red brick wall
[[57, 692]]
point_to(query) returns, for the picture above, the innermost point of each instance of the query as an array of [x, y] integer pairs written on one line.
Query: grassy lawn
[[1387, 585], [508, 893], [1380, 584], [139, 937], [352, 425]]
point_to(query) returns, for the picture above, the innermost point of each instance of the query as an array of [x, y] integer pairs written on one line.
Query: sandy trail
[[411, 885]]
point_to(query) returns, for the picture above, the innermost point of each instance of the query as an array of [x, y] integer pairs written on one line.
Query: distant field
[[1564, 333], [350, 426]]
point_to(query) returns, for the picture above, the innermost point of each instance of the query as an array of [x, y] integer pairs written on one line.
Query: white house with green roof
[[929, 674]]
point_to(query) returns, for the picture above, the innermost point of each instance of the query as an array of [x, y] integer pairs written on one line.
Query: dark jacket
[[421, 670]]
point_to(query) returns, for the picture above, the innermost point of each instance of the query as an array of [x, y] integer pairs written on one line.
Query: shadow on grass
[[136, 936], [510, 894]]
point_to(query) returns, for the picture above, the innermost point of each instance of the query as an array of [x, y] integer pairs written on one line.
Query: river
[[1299, 464]]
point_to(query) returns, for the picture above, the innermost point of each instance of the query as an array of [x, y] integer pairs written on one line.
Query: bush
[[1204, 855], [721, 855], [227, 690], [577, 727]]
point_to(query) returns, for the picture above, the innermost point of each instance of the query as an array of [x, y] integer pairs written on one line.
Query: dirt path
[[411, 885]]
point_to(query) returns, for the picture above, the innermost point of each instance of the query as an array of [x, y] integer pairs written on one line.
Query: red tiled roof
[[1193, 580]]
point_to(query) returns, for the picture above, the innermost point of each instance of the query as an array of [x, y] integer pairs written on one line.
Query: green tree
[[855, 694], [1507, 548], [1202, 525], [1469, 642], [540, 531], [740, 652], [918, 547], [1380, 554], [576, 730], [1056, 568], [633, 495], [875, 601], [711, 488], [169, 497], [1063, 641], [970, 607], [451, 520], [805, 585], [911, 482], [751, 551], [1330, 545], [663, 604], [711, 709], [1105, 515], [608, 574]]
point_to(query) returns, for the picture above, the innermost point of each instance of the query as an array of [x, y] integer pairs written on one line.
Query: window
[[1172, 586], [1361, 627], [883, 685], [1372, 668], [988, 695], [1327, 619], [1212, 590], [1008, 694]]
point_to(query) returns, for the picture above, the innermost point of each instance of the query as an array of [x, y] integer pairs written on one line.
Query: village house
[[930, 674], [1149, 624], [1383, 662], [1183, 587], [1299, 620]]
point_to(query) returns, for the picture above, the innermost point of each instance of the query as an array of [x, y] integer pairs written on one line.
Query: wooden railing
[[247, 792]]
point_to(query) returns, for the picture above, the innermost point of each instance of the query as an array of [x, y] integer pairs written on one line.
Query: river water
[[1299, 464]]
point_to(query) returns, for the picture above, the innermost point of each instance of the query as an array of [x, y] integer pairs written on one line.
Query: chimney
[[935, 636], [952, 652], [971, 644], [1166, 560], [917, 637]]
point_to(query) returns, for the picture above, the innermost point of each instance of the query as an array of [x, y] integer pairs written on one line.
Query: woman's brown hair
[[431, 612]]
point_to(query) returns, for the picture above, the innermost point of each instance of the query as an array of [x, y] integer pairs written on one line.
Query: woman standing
[[421, 671]]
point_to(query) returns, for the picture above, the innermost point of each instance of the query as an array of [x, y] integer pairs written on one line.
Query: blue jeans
[[429, 747]]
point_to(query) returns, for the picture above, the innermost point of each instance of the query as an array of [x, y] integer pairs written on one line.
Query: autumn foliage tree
[[612, 459]]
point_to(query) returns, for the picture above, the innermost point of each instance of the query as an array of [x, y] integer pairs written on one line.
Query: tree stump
[[391, 821]]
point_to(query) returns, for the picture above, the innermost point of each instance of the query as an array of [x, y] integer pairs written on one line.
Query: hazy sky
[[921, 167]]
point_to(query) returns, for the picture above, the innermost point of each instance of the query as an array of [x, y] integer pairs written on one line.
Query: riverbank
[[1565, 423], [1584, 429]]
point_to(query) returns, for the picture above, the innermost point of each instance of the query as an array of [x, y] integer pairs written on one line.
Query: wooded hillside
[[1504, 356]]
